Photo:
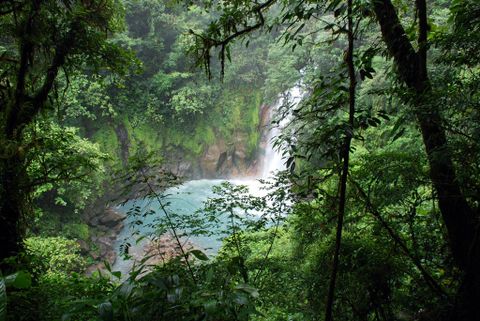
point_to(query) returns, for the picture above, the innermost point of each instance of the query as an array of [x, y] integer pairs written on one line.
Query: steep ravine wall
[[221, 159], [226, 142]]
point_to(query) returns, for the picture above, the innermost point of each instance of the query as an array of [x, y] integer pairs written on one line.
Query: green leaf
[[229, 57], [117, 274], [141, 238], [199, 255], [383, 115], [66, 317], [3, 300], [398, 135], [210, 307], [105, 311], [19, 280], [248, 289], [241, 298], [107, 266], [299, 29], [209, 276]]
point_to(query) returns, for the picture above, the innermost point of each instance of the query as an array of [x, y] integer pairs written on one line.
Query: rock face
[[163, 249], [122, 136], [112, 219], [158, 250], [224, 159], [107, 224], [213, 159], [218, 161]]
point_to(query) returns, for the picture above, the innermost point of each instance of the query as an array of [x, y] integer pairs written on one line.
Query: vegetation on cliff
[[375, 218]]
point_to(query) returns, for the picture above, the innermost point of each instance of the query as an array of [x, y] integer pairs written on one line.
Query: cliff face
[[220, 160], [240, 154], [225, 159]]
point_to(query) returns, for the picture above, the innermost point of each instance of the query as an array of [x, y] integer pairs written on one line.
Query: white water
[[191, 195], [274, 159]]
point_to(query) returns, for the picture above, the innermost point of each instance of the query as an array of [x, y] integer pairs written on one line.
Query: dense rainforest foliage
[[105, 104]]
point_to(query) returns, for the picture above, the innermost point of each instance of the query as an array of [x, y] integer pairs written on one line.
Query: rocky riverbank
[[160, 250], [102, 246], [106, 226]]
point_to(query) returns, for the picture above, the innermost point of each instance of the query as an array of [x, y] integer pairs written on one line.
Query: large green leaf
[[248, 289], [199, 255], [3, 299], [105, 310], [19, 280]]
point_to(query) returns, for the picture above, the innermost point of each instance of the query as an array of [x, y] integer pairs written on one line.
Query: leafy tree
[[41, 40], [53, 257]]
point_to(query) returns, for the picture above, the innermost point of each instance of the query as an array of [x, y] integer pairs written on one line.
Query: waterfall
[[190, 196], [274, 159]]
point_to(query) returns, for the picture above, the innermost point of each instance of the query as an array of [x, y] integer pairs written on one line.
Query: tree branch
[[398, 240], [28, 112], [209, 42]]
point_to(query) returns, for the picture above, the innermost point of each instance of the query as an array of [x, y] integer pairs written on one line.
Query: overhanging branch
[[208, 43]]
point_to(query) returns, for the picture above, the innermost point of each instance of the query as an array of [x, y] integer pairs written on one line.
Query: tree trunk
[[461, 221], [11, 203], [346, 159]]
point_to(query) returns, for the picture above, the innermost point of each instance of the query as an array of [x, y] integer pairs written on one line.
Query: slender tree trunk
[[345, 165]]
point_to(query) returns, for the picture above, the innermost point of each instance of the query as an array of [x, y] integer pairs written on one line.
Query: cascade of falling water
[[189, 197], [273, 159]]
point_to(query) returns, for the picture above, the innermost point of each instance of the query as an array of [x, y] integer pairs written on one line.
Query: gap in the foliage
[[146, 231]]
